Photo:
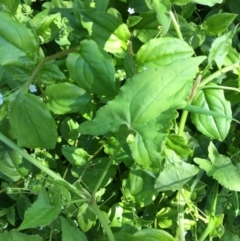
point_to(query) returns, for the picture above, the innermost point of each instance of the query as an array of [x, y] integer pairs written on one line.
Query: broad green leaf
[[76, 156], [208, 2], [162, 9], [133, 20], [220, 168], [220, 48], [66, 98], [97, 5], [86, 217], [18, 236], [140, 185], [213, 100], [41, 213], [107, 30], [147, 28], [50, 70], [146, 110], [10, 5], [153, 235], [218, 23], [70, 232], [175, 173], [140, 6], [16, 41], [92, 69], [162, 51], [31, 122], [178, 144], [12, 165]]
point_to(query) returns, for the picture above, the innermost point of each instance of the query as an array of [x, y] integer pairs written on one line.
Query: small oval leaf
[[213, 100]]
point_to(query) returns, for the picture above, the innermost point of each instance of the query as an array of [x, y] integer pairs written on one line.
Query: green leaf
[[76, 156], [213, 100], [10, 5], [107, 30], [51, 71], [203, 111], [162, 51], [86, 217], [92, 69], [12, 165], [140, 185], [66, 98], [70, 232], [41, 213], [153, 235], [220, 48], [218, 23], [31, 122], [162, 9], [208, 2], [220, 168], [181, 2], [146, 110], [17, 236], [175, 173], [16, 41], [147, 28], [133, 20], [99, 5]]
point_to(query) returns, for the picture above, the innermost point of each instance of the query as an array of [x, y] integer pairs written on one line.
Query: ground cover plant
[[119, 120]]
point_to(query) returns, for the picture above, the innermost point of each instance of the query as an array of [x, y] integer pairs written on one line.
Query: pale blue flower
[[131, 10], [32, 88]]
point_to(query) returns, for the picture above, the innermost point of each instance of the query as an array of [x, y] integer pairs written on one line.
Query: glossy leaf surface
[[141, 106]]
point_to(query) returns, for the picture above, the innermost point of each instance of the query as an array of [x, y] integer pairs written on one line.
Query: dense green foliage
[[119, 120]]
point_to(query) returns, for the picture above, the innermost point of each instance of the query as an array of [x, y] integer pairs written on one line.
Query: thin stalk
[[219, 87], [211, 222], [106, 170], [218, 73], [103, 221], [38, 164], [176, 25], [181, 216]]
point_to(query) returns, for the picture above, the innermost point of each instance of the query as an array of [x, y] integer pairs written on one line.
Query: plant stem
[[211, 222], [47, 59], [176, 25], [103, 221], [218, 73], [181, 215], [38, 164], [106, 170]]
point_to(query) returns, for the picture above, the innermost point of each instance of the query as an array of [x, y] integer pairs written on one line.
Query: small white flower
[[131, 10], [1, 99], [32, 88], [144, 68]]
